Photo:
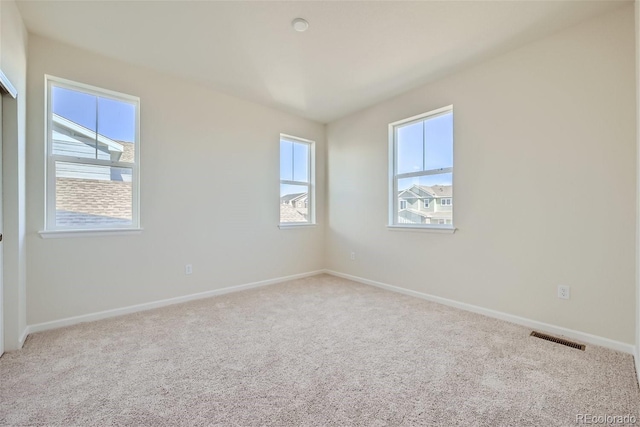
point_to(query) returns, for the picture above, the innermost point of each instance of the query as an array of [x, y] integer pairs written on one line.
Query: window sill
[[58, 234], [294, 225], [423, 228]]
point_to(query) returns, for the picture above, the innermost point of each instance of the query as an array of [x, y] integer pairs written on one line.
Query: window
[[421, 164], [93, 149], [403, 204], [297, 176]]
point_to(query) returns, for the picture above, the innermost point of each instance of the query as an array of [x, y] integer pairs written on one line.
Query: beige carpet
[[318, 351]]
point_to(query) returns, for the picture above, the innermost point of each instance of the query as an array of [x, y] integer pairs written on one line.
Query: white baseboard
[[533, 324], [39, 327], [23, 337], [636, 357]]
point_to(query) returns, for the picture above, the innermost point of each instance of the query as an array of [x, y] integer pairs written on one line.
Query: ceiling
[[353, 55]]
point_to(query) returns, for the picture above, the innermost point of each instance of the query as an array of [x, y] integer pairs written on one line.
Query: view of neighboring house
[[90, 194], [422, 204], [294, 207]]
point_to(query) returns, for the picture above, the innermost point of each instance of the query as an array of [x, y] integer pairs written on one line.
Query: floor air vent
[[558, 340]]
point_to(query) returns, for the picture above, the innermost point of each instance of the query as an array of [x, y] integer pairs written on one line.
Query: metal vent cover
[[558, 340]]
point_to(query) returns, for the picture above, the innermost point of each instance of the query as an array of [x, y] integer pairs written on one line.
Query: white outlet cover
[[564, 292]]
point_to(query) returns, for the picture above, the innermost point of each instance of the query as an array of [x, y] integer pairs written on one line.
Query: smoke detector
[[300, 25]]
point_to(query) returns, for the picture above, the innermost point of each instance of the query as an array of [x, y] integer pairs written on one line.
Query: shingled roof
[[441, 190], [287, 198], [435, 191], [128, 152], [290, 214], [87, 201]]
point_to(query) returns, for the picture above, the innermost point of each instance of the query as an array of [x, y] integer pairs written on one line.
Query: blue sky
[[426, 145], [293, 166], [115, 119]]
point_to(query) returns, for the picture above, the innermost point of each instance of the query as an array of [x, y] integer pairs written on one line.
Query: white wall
[[13, 62], [545, 184], [209, 195]]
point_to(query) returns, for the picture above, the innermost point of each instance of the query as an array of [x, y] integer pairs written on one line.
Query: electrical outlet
[[353, 256], [188, 269], [564, 292]]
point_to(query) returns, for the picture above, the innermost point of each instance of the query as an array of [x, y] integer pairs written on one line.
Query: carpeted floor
[[319, 351]]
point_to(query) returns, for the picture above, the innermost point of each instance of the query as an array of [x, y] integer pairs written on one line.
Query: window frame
[[395, 177], [50, 227], [311, 194]]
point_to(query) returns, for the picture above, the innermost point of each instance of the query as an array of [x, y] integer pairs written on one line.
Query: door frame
[[8, 89]]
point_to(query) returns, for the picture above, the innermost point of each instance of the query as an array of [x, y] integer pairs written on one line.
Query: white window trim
[[292, 225], [51, 229], [311, 185], [393, 223], [433, 228], [57, 234]]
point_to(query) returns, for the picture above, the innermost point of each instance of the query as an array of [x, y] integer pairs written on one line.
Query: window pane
[[294, 203], [116, 130], [439, 142], [410, 148], [286, 160], [93, 196], [420, 199], [300, 162], [73, 123]]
